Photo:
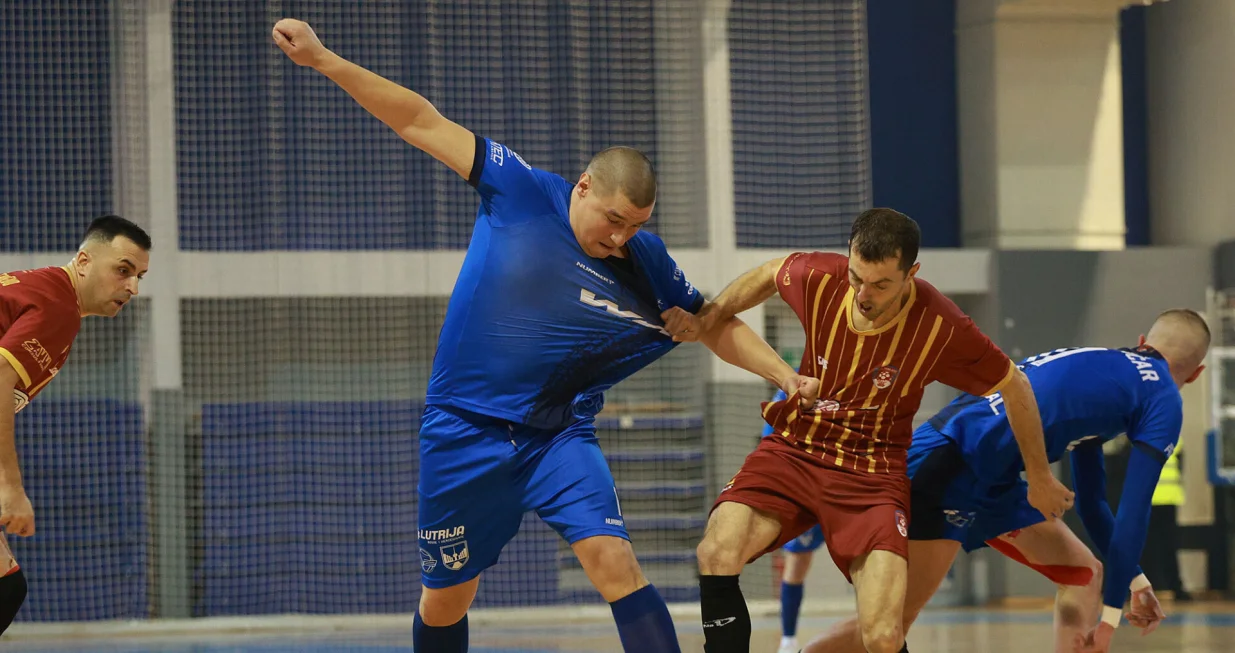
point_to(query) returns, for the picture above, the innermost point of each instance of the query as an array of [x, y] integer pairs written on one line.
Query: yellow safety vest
[[1170, 489]]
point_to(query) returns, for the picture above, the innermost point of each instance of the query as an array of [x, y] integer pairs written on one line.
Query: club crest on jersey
[[885, 376], [902, 523], [455, 556]]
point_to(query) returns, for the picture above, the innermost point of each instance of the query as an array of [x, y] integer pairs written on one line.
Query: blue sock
[[790, 606], [643, 622], [439, 639]]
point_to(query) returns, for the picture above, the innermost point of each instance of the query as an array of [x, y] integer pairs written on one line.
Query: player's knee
[[1096, 581], [447, 606], [1074, 601], [719, 557], [611, 565], [797, 565], [884, 636]]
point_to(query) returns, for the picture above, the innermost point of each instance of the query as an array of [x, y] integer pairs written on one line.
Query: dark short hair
[[626, 170], [881, 234], [106, 228]]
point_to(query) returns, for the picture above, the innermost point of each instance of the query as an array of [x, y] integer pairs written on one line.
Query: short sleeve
[[509, 188], [972, 363], [33, 342], [799, 269], [678, 290]]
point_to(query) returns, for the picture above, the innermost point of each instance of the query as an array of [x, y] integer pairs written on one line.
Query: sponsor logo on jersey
[[495, 153], [594, 273], [518, 158], [427, 562], [441, 535], [589, 298], [958, 517], [37, 352], [828, 405]]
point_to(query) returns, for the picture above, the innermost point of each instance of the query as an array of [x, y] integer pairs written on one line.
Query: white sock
[[789, 644]]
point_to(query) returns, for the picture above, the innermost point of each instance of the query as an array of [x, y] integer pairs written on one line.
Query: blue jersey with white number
[[1087, 394], [536, 329]]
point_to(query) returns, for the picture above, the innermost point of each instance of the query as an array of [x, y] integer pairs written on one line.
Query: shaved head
[[627, 171], [1182, 336]]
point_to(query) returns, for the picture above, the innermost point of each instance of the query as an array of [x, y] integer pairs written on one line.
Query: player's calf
[[735, 533], [12, 595], [1054, 551], [797, 565], [642, 618]]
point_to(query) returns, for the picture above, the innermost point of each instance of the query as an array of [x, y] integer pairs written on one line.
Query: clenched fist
[[16, 513], [297, 40]]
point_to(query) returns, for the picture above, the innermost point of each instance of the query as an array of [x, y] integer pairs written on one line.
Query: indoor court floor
[[1208, 628]]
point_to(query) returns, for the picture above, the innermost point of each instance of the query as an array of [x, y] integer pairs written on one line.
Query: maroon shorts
[[859, 512]]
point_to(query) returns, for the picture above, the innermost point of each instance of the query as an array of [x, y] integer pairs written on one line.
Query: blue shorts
[[479, 475], [807, 542], [948, 501]]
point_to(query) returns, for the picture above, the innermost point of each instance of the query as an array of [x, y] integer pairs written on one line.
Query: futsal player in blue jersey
[[560, 297], [967, 491]]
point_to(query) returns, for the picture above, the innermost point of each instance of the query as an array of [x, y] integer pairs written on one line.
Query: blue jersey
[[536, 329], [1086, 396]]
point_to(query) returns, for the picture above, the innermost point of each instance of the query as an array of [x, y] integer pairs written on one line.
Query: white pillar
[[1041, 124], [161, 194], [718, 126]]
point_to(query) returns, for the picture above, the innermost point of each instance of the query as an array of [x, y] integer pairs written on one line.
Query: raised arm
[[732, 340], [744, 293], [408, 113]]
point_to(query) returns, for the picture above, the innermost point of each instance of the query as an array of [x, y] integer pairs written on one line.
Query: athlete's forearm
[[734, 342], [400, 108], [1131, 526], [1026, 424], [745, 292], [10, 472], [1089, 482]]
